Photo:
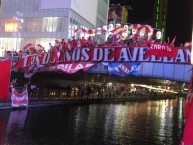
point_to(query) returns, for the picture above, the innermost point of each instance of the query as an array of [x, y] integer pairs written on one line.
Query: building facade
[[43, 21], [160, 15]]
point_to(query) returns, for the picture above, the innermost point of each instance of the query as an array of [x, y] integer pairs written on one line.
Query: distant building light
[[11, 27], [134, 31], [158, 34]]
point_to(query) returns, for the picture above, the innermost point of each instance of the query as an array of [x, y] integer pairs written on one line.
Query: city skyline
[[179, 17]]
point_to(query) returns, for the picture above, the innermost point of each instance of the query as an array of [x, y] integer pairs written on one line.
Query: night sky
[[179, 19]]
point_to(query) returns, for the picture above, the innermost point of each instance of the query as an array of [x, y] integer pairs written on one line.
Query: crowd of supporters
[[70, 44]]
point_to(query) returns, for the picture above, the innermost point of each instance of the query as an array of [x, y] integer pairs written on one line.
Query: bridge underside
[[155, 74]]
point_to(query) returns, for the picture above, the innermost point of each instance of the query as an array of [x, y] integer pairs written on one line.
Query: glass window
[[50, 24], [44, 25], [39, 22], [65, 24], [55, 24], [59, 25], [11, 44], [32, 24]]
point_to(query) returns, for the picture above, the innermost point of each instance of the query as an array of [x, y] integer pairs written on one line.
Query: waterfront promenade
[[40, 102]]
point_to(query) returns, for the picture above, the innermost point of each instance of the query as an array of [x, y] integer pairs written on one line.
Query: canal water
[[131, 123]]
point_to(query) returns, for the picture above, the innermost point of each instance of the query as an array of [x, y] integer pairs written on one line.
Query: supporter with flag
[[63, 45], [73, 42], [39, 48], [69, 45], [83, 42], [90, 41], [55, 51]]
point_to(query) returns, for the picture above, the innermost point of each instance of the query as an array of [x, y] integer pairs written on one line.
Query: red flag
[[117, 38], [19, 99], [5, 69], [73, 67], [118, 30], [187, 44], [187, 138]]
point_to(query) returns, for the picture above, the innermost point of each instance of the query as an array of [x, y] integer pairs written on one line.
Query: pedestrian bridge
[[176, 72], [177, 69]]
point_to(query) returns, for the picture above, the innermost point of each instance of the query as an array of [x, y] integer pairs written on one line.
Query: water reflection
[[132, 123], [3, 121], [15, 127]]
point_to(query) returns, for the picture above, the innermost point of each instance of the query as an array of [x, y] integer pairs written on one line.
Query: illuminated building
[[43, 21], [160, 15], [117, 14]]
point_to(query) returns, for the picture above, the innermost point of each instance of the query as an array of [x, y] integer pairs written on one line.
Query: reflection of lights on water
[[166, 115], [120, 119], [110, 84], [180, 114], [164, 106], [117, 120], [163, 119], [78, 117]]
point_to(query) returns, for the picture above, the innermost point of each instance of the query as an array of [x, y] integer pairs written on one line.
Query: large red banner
[[5, 69], [162, 50], [73, 67], [160, 53]]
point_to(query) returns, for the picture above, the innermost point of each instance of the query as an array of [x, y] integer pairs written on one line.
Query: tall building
[[160, 15], [43, 21]]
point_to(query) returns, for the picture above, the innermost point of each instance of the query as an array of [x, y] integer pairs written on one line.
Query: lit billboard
[[85, 8], [124, 15], [117, 13]]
